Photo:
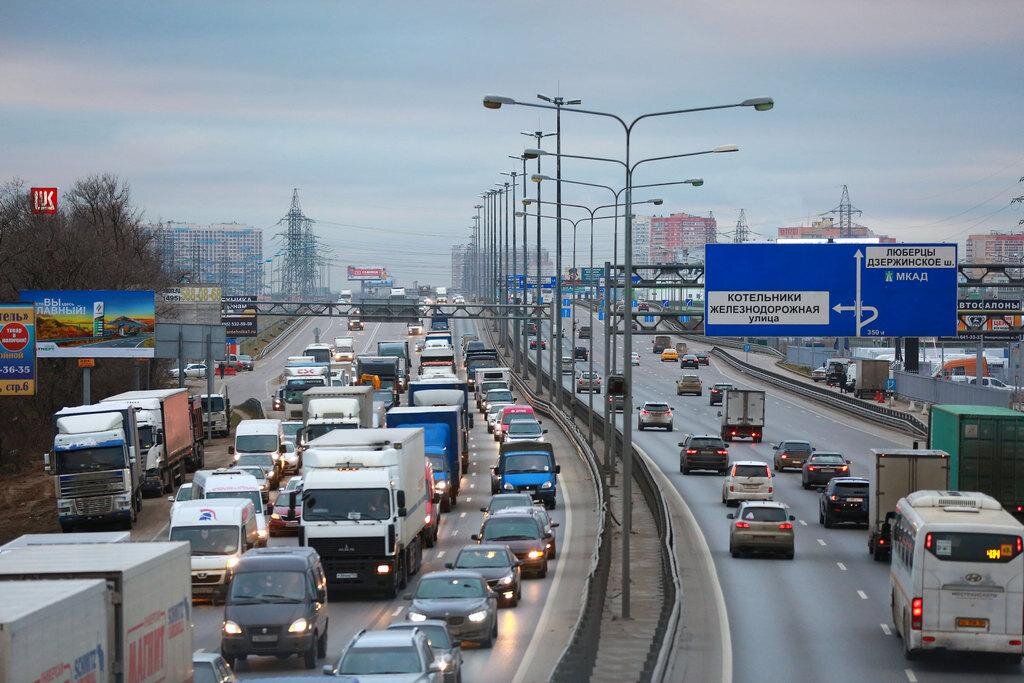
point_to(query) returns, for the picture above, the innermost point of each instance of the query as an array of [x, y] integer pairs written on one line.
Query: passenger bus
[[957, 574]]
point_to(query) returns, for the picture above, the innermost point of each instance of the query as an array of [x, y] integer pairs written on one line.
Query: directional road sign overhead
[[855, 290]]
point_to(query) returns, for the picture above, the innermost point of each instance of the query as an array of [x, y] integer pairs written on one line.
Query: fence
[[808, 356], [935, 390]]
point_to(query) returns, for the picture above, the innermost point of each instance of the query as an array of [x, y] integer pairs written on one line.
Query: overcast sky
[[214, 111]]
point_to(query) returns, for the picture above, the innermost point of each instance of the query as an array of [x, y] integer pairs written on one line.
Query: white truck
[[149, 587], [344, 349], [165, 435], [345, 296], [327, 408], [320, 353], [898, 473], [96, 465], [743, 415], [301, 373], [28, 540], [56, 631], [364, 503], [217, 410]]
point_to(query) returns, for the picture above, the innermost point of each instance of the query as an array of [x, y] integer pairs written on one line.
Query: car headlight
[[440, 485], [477, 617], [506, 580], [232, 629], [232, 562], [535, 554], [262, 533], [508, 487], [416, 616], [274, 515], [298, 626], [546, 485]]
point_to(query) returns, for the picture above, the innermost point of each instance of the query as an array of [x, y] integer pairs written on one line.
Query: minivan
[[218, 532], [260, 437], [527, 467], [232, 483]]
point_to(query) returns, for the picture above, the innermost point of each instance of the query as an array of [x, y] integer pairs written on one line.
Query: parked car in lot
[[588, 381], [791, 453], [761, 526], [717, 393], [821, 467], [689, 361], [669, 356], [463, 599], [499, 567], [747, 480], [653, 414], [844, 499], [441, 643], [388, 656], [703, 452], [689, 384]]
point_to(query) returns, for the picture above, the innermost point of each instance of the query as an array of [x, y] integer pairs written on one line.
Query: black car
[[703, 452], [819, 468], [580, 353], [844, 499], [499, 567], [276, 606], [717, 393], [584, 332], [791, 454], [702, 357], [689, 361]]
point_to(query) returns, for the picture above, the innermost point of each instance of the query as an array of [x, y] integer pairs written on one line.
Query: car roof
[[750, 462], [276, 557], [817, 453], [764, 504], [498, 496], [485, 546], [511, 512], [383, 638], [705, 436], [849, 480], [409, 625], [453, 574], [655, 403]]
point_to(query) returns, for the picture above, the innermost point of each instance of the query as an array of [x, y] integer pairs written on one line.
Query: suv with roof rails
[[703, 452], [387, 656]]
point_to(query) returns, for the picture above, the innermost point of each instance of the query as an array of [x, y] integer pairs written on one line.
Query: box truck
[[27, 540], [445, 392], [301, 373], [149, 587], [898, 473], [867, 376], [442, 444], [325, 409], [743, 415]]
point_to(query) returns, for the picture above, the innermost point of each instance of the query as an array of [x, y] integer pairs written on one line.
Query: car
[[791, 453], [761, 526], [634, 358], [276, 605], [246, 362], [548, 525], [703, 452], [510, 413], [499, 567], [474, 345], [702, 357], [581, 353], [387, 656], [210, 667], [505, 501], [535, 341], [496, 396], [584, 332], [271, 466], [747, 480], [717, 393], [261, 478], [643, 306], [192, 371], [568, 365], [282, 520], [463, 599], [689, 361], [523, 533], [819, 468], [588, 380], [444, 647], [183, 494], [355, 324], [654, 414], [414, 329], [669, 356], [616, 404], [689, 384], [290, 458], [494, 416], [524, 430], [819, 374], [844, 499]]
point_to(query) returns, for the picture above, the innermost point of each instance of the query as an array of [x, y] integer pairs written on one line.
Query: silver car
[[463, 600], [524, 430], [494, 416], [655, 415], [389, 656], [441, 642]]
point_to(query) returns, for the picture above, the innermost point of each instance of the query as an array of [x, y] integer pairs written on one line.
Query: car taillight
[[645, 412], [721, 451], [742, 525], [812, 468], [928, 541], [770, 489], [668, 414], [881, 541], [731, 487], [1020, 545], [916, 612], [785, 525], [691, 451], [734, 432], [834, 497], [844, 468]]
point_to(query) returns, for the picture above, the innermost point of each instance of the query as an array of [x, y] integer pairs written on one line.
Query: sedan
[[821, 467], [791, 454], [669, 356], [441, 643], [463, 600], [522, 532], [524, 430], [819, 374], [689, 361], [703, 358], [282, 520], [689, 384], [589, 381], [655, 415], [192, 371], [568, 365], [499, 567], [761, 526], [717, 393], [537, 341], [844, 499]]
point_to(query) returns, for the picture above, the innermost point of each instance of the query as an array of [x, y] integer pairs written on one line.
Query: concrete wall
[[934, 390]]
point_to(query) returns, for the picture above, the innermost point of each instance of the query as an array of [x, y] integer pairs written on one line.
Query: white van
[[259, 442], [218, 532], [232, 483]]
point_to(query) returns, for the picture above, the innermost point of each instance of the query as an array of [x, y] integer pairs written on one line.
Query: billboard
[[17, 350], [94, 323], [192, 295], [238, 315], [370, 273]]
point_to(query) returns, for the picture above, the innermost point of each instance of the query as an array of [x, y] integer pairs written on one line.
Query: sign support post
[[209, 384], [86, 386]]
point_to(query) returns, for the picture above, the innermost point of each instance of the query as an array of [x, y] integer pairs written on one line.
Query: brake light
[[731, 487], [668, 414], [742, 525], [785, 525], [1020, 545], [844, 468], [916, 612], [881, 541], [722, 451], [734, 432], [833, 497], [691, 451], [645, 412], [812, 468], [928, 541]]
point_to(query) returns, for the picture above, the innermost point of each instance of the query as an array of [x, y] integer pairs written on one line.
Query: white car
[[747, 480], [494, 416], [568, 365], [183, 494], [192, 371], [634, 358]]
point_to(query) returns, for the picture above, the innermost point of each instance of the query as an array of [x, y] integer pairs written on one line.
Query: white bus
[[957, 574]]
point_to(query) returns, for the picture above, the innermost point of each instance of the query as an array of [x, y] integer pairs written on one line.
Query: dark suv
[[703, 452], [844, 499], [276, 605]]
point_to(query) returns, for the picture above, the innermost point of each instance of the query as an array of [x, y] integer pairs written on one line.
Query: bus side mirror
[[231, 450], [558, 469], [47, 466]]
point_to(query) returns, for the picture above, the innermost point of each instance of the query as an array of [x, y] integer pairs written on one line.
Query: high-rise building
[[679, 236], [225, 254], [826, 228], [641, 240], [996, 247]]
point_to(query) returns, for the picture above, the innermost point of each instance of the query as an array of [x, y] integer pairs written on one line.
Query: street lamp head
[[495, 101], [696, 182], [537, 177], [534, 153], [725, 148], [657, 202], [526, 201], [575, 102], [759, 103], [519, 214]]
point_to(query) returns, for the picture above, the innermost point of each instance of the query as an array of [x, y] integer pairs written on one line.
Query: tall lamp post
[[538, 296]]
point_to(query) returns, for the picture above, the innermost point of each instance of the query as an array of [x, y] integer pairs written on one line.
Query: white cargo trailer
[[743, 415]]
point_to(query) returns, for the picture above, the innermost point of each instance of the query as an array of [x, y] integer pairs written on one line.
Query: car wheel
[[321, 645], [671, 428], [733, 551], [684, 469], [550, 505], [309, 656], [640, 427], [805, 485], [827, 521], [543, 570], [821, 517]]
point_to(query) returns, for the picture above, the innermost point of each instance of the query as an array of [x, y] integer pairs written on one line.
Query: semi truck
[[986, 451], [399, 349], [442, 443], [97, 465], [364, 501], [328, 408], [743, 415], [898, 473], [165, 435], [446, 391], [56, 631], [148, 586]]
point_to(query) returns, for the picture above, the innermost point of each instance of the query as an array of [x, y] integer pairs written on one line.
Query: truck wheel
[[446, 504]]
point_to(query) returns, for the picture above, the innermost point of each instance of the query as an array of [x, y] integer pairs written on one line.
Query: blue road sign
[[890, 384], [852, 290], [566, 312], [648, 318], [633, 304], [566, 301], [665, 302], [600, 314], [746, 348], [684, 318], [689, 302], [635, 279]]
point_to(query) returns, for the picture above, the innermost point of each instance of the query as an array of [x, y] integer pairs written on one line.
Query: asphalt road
[[823, 616], [530, 636]]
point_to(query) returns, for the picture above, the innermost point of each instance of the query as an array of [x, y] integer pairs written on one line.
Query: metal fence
[[934, 390], [808, 356]]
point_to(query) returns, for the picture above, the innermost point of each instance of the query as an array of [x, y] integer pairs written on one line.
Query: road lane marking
[[885, 629], [472, 486], [821, 541], [803, 523], [455, 532], [910, 675], [398, 610], [161, 532], [863, 595], [440, 554], [842, 567], [469, 499], [462, 514]]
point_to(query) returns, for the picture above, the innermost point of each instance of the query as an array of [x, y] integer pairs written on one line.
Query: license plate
[[264, 639], [752, 486], [346, 575], [855, 500], [971, 622], [827, 469]]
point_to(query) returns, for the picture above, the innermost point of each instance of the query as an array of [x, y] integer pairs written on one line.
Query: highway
[[823, 616], [531, 636]]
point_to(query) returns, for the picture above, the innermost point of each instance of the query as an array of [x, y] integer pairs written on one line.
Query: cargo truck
[[198, 459], [986, 451], [167, 414], [327, 408], [26, 540], [56, 631], [898, 473], [867, 376], [97, 465], [446, 391], [149, 587], [442, 444], [216, 411], [743, 415], [344, 349], [399, 349], [364, 501], [300, 374]]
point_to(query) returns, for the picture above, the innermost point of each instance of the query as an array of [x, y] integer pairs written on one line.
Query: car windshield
[[90, 460], [524, 428], [256, 443], [499, 396], [472, 558], [291, 430], [369, 661], [443, 587], [706, 443], [267, 586], [691, 378], [255, 496], [526, 462], [828, 459], [753, 513], [213, 404], [796, 446], [587, 374], [505, 501], [851, 488], [751, 471], [208, 540], [264, 460], [184, 493], [723, 387], [326, 505], [257, 472], [514, 529]]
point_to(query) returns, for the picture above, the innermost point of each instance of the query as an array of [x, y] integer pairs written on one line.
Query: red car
[[535, 341], [281, 522], [643, 306]]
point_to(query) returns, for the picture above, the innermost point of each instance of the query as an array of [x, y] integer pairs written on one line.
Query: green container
[[986, 450]]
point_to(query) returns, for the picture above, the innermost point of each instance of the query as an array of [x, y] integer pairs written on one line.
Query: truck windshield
[[208, 540], [90, 460], [526, 462], [319, 355], [256, 443], [391, 349], [294, 389], [317, 430], [328, 505], [145, 437], [213, 404], [438, 463]]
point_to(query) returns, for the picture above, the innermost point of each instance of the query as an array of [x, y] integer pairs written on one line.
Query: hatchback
[[791, 454], [844, 499], [655, 415], [689, 361], [463, 600], [761, 526], [387, 656], [747, 480], [588, 381], [689, 384], [821, 467]]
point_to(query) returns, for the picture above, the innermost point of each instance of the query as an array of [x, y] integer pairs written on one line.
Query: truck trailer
[[743, 415], [441, 435], [898, 473], [442, 391], [327, 408]]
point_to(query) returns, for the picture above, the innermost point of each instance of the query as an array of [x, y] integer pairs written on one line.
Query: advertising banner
[[370, 273], [192, 295], [94, 323], [238, 315], [17, 350]]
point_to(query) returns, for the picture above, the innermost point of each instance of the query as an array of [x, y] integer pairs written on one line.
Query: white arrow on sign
[[858, 306]]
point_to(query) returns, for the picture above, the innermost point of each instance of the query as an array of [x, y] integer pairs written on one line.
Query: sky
[[215, 111]]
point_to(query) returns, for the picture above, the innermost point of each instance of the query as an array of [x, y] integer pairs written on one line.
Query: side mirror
[[543, 431], [47, 466], [475, 537], [792, 518], [681, 444], [449, 565], [731, 516], [726, 445], [558, 469], [407, 596], [437, 498], [170, 499], [327, 670], [849, 462], [483, 509], [555, 525], [231, 450], [813, 449], [400, 499]]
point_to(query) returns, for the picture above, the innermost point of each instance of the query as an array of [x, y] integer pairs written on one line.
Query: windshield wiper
[[279, 598], [509, 538]]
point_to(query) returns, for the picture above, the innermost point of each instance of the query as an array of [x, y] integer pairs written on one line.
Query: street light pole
[[538, 296]]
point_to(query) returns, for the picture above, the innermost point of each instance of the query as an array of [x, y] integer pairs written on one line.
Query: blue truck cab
[[441, 427], [527, 467], [439, 323]]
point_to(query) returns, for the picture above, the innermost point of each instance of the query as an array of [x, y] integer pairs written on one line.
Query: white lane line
[[842, 567], [161, 532], [456, 533], [803, 523], [462, 514], [821, 541], [863, 595], [910, 675], [398, 610], [469, 499], [472, 486], [885, 629], [440, 554]]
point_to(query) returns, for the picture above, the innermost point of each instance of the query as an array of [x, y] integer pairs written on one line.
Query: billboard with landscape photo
[[94, 323]]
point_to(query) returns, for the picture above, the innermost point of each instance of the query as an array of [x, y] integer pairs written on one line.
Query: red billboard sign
[[373, 273], [44, 199]]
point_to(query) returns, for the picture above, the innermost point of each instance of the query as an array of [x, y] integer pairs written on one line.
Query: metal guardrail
[[279, 339]]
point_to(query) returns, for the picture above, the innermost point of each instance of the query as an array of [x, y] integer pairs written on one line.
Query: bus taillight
[[916, 611]]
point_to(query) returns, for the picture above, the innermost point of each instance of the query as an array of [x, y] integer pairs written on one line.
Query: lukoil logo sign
[[44, 200]]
